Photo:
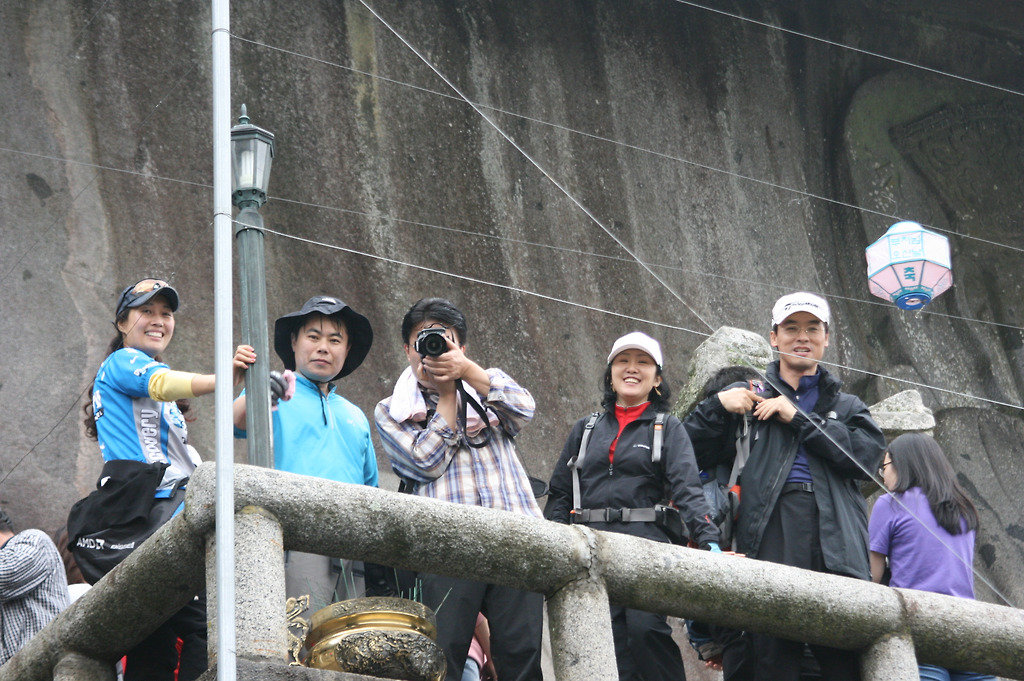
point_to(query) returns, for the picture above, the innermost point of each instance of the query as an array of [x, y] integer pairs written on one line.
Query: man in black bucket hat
[[318, 432], [357, 332]]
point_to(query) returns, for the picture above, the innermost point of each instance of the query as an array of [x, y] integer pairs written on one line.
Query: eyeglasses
[[881, 469]]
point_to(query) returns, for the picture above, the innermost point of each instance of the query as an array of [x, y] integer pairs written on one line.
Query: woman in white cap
[[137, 413], [622, 461]]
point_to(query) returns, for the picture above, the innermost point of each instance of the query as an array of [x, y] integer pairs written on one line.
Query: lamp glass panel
[[250, 162], [243, 162], [264, 158]]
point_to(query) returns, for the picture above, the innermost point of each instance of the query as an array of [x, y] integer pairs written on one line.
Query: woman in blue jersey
[[137, 413], [925, 528]]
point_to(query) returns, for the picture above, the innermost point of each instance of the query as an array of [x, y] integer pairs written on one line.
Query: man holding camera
[[448, 431]]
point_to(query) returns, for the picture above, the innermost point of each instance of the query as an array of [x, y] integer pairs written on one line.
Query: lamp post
[[252, 152]]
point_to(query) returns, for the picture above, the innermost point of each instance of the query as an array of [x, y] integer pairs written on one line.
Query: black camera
[[431, 342]]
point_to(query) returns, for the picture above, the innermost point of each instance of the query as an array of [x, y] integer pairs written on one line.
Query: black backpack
[[110, 523], [722, 486]]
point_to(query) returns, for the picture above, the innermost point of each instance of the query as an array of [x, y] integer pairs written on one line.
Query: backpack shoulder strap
[[659, 435], [742, 448], [576, 462]]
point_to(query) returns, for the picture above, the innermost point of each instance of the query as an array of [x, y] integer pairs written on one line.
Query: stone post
[[261, 628], [581, 632], [890, 658], [582, 648]]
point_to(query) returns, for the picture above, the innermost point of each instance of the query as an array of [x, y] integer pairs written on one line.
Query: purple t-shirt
[[939, 562]]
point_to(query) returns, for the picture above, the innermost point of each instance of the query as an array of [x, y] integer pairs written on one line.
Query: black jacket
[[851, 440], [634, 480]]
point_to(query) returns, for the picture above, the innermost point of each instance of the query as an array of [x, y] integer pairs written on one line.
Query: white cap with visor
[[801, 301], [637, 341]]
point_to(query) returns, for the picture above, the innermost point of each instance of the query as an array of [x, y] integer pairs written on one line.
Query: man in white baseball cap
[[801, 501], [800, 302]]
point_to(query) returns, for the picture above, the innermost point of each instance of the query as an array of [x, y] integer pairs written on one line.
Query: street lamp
[[252, 152]]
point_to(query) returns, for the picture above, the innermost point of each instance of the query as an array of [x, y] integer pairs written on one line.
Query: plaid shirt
[[33, 588], [491, 476]]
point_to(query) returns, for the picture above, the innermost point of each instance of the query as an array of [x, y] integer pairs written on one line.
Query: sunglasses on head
[[147, 285], [141, 288]]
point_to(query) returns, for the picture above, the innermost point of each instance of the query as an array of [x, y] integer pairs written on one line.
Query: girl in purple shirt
[[925, 528]]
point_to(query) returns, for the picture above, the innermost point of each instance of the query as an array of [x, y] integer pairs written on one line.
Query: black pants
[[791, 538], [644, 648], [515, 618], [156, 657]]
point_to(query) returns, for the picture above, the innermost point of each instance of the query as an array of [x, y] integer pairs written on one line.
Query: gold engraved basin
[[392, 638]]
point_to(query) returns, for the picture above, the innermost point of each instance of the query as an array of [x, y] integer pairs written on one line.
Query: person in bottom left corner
[[33, 588], [137, 414]]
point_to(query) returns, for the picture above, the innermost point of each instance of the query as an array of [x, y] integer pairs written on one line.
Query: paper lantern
[[909, 265]]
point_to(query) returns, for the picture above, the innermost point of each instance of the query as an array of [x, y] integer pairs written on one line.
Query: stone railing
[[580, 571]]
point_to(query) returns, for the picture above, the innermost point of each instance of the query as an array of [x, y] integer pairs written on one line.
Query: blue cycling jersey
[[132, 425]]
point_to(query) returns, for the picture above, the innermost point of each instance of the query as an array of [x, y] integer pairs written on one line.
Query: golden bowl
[[394, 638]]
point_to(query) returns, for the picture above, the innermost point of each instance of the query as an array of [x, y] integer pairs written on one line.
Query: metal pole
[[253, 289], [225, 502]]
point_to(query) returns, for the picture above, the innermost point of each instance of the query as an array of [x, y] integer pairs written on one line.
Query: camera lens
[[431, 343], [434, 345]]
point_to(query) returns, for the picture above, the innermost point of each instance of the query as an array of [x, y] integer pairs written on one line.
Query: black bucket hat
[[142, 291], [360, 333]]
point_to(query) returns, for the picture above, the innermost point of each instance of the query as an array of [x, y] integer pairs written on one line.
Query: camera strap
[[468, 399]]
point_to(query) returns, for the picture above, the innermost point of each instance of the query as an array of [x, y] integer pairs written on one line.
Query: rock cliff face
[[735, 161]]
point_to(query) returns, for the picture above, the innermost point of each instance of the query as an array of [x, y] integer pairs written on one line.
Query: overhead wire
[[88, 22], [551, 178], [619, 258], [164, 178], [632, 147], [475, 280], [868, 53], [537, 294], [636, 259]]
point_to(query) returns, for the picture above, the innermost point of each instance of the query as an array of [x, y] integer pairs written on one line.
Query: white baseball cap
[[637, 341], [802, 301]]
